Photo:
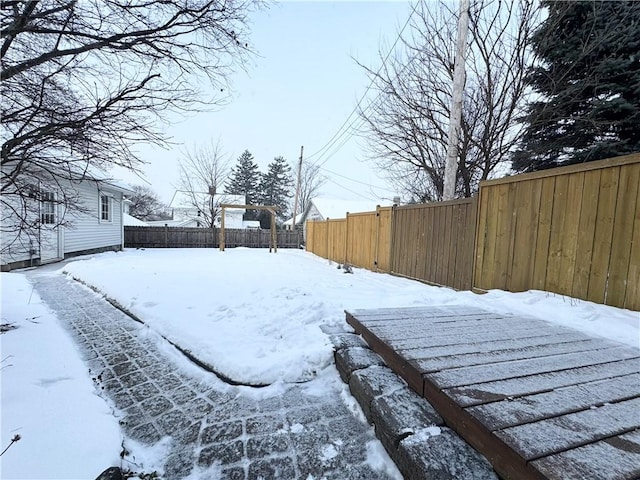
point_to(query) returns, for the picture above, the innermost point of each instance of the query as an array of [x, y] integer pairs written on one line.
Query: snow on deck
[[538, 399]]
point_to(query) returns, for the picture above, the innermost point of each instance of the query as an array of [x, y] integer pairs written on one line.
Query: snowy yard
[[254, 317]]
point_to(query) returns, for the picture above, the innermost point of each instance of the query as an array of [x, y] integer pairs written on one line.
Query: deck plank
[[491, 346], [425, 340], [517, 387], [555, 435], [391, 330], [516, 411], [435, 364], [490, 372], [614, 458]]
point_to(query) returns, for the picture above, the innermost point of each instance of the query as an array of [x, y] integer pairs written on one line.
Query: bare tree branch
[[84, 82], [406, 123], [203, 171]]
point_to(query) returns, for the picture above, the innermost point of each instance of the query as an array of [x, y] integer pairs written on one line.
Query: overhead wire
[[342, 131]]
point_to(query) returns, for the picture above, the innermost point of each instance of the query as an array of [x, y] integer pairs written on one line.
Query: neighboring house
[[130, 221], [321, 208], [96, 228], [187, 214]]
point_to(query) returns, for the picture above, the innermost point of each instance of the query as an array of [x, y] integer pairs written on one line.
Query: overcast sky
[[298, 91]]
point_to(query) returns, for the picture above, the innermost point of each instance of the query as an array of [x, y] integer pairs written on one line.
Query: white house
[[187, 214], [96, 227]]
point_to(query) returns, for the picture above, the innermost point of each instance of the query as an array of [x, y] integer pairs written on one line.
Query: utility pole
[[455, 115], [295, 201]]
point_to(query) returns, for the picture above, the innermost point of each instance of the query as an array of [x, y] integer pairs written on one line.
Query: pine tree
[[244, 180], [588, 78], [276, 189]]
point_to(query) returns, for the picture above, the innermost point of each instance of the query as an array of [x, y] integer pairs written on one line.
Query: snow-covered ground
[[48, 400], [254, 316]]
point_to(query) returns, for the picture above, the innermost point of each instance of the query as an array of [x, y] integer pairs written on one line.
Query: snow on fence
[[194, 237], [571, 230]]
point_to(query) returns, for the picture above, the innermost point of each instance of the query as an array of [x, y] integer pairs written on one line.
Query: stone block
[[438, 453], [401, 413], [371, 382], [348, 360], [347, 340]]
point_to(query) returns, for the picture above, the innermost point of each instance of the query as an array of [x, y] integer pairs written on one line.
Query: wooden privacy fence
[[572, 230], [181, 237], [361, 239], [434, 242]]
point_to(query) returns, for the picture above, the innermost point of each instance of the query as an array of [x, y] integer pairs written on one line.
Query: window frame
[[109, 208], [47, 208]]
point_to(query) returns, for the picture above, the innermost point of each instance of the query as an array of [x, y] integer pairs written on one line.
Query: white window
[[48, 209], [105, 208]]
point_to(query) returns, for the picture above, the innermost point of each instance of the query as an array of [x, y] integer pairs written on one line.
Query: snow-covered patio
[[254, 317]]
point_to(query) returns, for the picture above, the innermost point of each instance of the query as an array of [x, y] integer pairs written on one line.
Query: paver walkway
[[243, 433]]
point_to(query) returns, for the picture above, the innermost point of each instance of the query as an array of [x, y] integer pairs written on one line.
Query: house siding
[[87, 231], [17, 248]]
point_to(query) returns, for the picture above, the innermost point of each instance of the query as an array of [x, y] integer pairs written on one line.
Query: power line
[[357, 181], [352, 191], [340, 132]]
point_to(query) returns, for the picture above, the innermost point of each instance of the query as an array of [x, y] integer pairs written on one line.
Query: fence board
[[632, 297], [383, 250], [603, 234], [544, 234], [556, 240], [586, 233]]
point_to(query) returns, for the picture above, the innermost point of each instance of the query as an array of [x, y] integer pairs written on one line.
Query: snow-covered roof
[[299, 218], [182, 199], [130, 221], [170, 223], [335, 208]]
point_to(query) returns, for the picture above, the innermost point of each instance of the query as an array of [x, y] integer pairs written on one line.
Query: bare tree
[[406, 124], [311, 181], [203, 171], [82, 82], [145, 204]]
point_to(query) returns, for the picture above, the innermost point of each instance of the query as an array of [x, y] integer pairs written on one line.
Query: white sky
[[299, 91]]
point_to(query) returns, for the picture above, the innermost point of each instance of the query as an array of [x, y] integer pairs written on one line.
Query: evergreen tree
[[244, 180], [276, 189], [588, 80]]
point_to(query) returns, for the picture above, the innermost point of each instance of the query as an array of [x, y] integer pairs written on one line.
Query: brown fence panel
[[361, 239], [573, 230], [181, 237], [434, 242], [337, 238], [383, 239]]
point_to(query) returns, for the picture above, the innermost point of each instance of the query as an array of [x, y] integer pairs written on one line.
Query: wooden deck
[[540, 401]]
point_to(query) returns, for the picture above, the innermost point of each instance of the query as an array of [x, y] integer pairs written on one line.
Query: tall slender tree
[[276, 188], [587, 81], [244, 180]]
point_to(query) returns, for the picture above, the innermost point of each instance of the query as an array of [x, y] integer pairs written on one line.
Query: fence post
[[375, 253], [166, 235], [392, 233]]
